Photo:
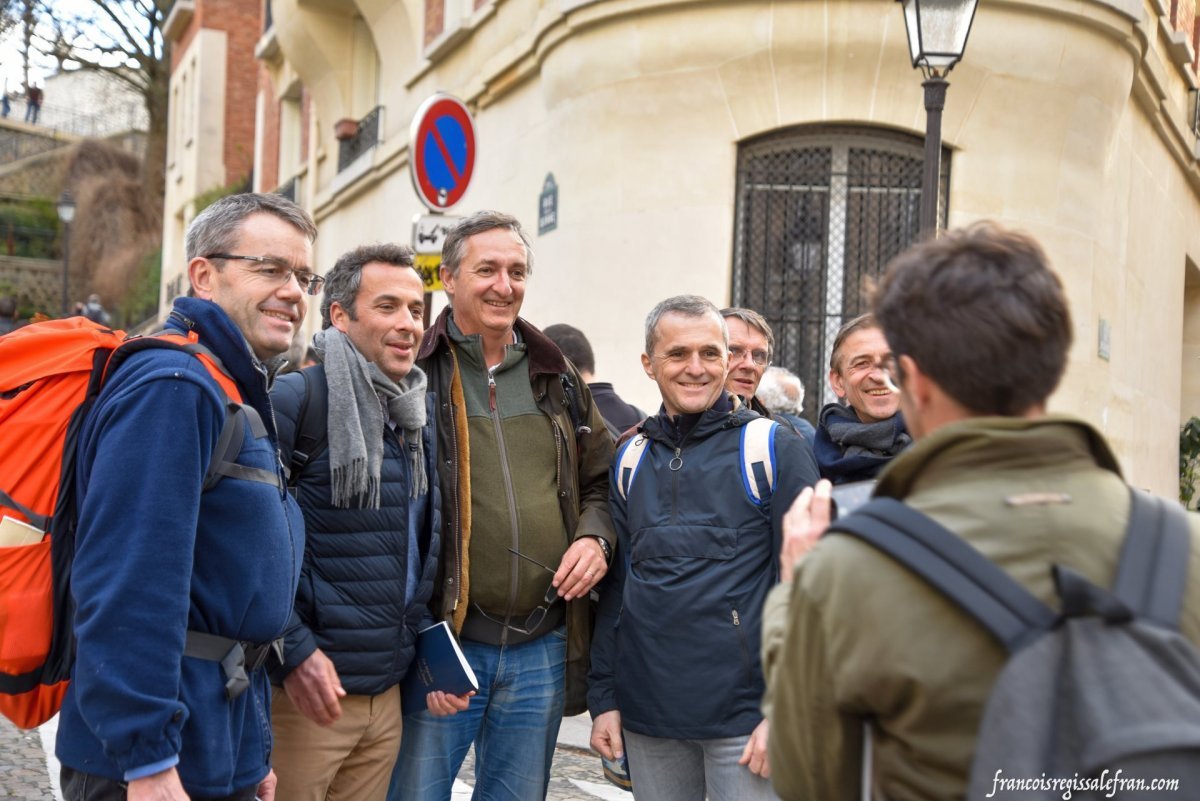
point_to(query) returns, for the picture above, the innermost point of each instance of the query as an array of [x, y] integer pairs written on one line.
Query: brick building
[[211, 130]]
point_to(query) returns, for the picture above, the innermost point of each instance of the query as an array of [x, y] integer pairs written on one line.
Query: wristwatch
[[604, 546]]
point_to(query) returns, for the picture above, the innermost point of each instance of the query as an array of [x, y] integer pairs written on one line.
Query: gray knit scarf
[[359, 393], [882, 438]]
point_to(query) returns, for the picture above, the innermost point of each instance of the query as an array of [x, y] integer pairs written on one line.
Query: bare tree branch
[[122, 39]]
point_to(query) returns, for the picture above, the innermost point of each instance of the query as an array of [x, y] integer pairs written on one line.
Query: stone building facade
[[768, 153]]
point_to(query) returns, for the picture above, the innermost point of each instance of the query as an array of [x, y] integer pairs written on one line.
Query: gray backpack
[[1100, 699]]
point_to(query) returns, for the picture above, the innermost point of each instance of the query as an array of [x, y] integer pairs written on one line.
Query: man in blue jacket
[[363, 464], [186, 563], [676, 679]]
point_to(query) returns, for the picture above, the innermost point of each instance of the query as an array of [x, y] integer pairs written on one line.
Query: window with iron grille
[[820, 212]]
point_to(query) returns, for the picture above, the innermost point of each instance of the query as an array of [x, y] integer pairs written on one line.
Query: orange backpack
[[50, 374]]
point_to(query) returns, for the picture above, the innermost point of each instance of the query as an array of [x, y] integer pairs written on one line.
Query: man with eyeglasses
[[751, 347], [183, 580], [357, 432], [524, 486], [676, 679], [860, 434]]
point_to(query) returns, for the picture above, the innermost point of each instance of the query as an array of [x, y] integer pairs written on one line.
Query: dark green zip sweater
[[514, 484]]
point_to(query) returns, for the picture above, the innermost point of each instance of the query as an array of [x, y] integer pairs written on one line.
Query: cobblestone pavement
[[575, 775], [22, 765]]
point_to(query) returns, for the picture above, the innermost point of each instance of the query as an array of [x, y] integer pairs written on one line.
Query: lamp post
[[66, 213], [937, 35]]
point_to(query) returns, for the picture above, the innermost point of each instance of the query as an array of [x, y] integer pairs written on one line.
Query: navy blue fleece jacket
[[156, 556]]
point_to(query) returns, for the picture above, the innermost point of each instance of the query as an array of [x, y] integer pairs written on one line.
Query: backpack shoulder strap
[[949, 564], [758, 459], [238, 415], [1153, 568], [312, 428], [190, 343], [574, 407], [224, 463], [628, 458]]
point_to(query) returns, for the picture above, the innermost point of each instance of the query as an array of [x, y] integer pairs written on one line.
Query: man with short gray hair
[[858, 435], [526, 530], [676, 679], [781, 393], [187, 553]]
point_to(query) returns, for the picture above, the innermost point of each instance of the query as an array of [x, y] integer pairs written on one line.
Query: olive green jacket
[[584, 459], [856, 637]]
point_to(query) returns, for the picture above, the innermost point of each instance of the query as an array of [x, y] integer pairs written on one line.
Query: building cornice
[[178, 19]]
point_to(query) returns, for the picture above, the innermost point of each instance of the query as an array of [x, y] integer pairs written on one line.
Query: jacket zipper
[[741, 634], [510, 496], [675, 471], [558, 452], [675, 485]]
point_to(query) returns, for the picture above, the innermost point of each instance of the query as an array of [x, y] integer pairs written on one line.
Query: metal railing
[[126, 116], [365, 139]]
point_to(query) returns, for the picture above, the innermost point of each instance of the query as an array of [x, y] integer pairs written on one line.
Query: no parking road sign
[[442, 151]]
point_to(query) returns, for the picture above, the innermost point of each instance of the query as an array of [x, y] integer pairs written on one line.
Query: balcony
[[364, 137]]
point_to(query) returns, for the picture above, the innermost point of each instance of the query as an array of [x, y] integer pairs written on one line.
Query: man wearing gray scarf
[[859, 436], [356, 433]]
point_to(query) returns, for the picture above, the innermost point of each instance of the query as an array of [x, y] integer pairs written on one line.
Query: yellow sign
[[427, 265]]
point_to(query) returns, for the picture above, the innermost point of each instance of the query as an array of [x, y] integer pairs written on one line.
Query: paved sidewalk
[[575, 775], [23, 771]]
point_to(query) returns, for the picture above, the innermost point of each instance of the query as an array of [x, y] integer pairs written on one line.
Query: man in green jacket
[[526, 529], [979, 332]]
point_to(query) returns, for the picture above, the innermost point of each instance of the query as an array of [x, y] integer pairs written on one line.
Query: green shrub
[[30, 228], [1189, 461]]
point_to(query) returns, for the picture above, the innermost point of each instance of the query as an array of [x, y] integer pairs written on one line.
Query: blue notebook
[[439, 664]]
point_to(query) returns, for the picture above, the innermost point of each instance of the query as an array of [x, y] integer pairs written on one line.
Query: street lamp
[[937, 36], [66, 213]]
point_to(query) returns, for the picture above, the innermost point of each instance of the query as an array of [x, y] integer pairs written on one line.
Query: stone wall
[[19, 141], [43, 175], [36, 283]]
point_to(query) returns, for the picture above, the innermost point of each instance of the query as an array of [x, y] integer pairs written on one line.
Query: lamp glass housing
[[66, 208], [937, 31]]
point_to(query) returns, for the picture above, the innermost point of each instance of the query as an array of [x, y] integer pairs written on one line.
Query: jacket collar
[[220, 334], [965, 448], [544, 356], [727, 411]]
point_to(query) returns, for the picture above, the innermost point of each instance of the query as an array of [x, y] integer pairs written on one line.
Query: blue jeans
[[513, 722]]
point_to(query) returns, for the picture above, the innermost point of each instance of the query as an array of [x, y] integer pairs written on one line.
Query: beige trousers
[[351, 760]]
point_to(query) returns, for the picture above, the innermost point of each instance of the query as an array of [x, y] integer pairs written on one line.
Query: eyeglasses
[[275, 271], [759, 357], [891, 373], [887, 367], [538, 615]]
